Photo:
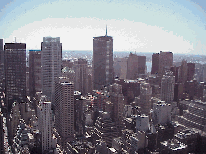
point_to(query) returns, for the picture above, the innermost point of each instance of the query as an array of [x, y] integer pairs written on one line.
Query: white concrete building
[[161, 113]]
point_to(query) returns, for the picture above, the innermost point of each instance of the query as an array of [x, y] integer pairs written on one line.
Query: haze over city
[[142, 26]]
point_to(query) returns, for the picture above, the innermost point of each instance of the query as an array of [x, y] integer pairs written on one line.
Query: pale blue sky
[[143, 26]]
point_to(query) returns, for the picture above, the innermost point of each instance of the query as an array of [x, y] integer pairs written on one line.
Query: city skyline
[[148, 26]]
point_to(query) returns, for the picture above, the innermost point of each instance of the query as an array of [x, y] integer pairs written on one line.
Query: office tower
[[34, 72], [141, 64], [15, 73], [102, 61], [64, 109], [117, 99], [81, 76], [190, 71], [165, 62], [182, 72], [142, 123], [155, 63], [44, 114], [167, 87], [135, 66], [2, 74], [145, 98], [51, 58]]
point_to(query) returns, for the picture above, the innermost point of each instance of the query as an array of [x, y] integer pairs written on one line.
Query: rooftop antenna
[[15, 39]]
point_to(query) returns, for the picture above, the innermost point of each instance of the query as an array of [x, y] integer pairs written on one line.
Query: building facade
[[44, 114], [102, 61], [15, 73], [34, 72], [51, 59], [64, 109], [165, 62], [155, 63], [81, 76], [167, 87]]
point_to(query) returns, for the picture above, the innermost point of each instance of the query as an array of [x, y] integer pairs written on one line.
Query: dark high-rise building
[[34, 72], [81, 76], [1, 51], [190, 71], [2, 74], [102, 61], [155, 63], [64, 108], [51, 60], [135, 66], [15, 73], [165, 62]]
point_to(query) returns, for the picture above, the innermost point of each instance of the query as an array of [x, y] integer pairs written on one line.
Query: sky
[[178, 26]]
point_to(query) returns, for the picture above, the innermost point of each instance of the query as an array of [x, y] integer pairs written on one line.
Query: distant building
[[51, 59], [2, 73], [182, 72], [34, 72], [145, 98], [165, 62], [190, 71], [15, 73], [64, 109], [1, 133], [81, 76], [167, 87], [102, 61], [155, 63], [117, 99], [135, 66]]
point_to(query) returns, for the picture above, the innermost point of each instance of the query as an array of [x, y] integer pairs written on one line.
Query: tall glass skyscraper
[[15, 73], [51, 59], [102, 61]]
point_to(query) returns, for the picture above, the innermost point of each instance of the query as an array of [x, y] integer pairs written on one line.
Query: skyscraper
[[15, 73], [64, 108], [167, 87], [44, 114], [135, 66], [102, 61], [155, 63], [81, 76], [165, 62], [34, 72], [190, 71], [2, 74], [51, 59]]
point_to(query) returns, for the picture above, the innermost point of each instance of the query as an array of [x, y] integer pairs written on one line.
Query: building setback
[[51, 59], [15, 73], [34, 72], [102, 61]]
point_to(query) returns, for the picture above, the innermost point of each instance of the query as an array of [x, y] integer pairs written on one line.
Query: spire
[[106, 30]]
